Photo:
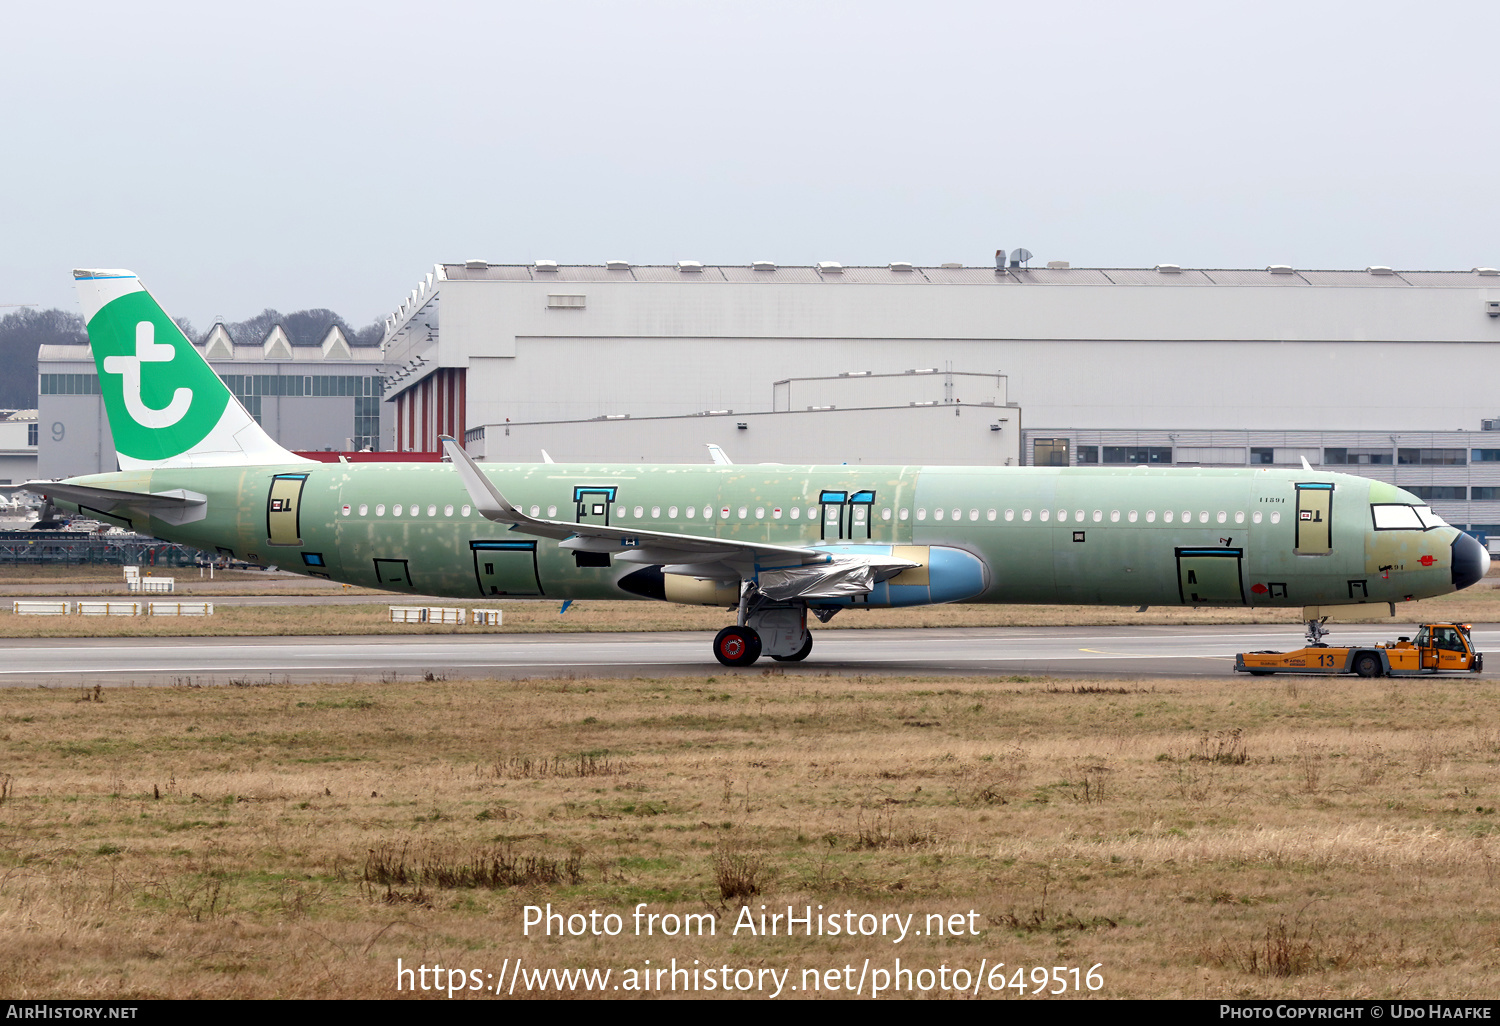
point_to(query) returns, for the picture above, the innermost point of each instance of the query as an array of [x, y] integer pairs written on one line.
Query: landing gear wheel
[[799, 655], [737, 646], [1367, 665]]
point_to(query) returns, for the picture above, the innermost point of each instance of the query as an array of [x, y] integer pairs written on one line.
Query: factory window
[[1137, 454], [1485, 494], [1431, 457], [1488, 530], [1486, 455], [1049, 452], [1439, 493], [1088, 454], [1265, 455], [68, 384], [1357, 457], [31, 434]]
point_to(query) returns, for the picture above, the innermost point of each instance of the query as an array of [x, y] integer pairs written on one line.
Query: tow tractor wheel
[[800, 654], [737, 646], [1367, 664]]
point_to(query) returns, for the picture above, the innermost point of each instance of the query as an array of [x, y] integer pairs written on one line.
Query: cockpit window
[[1397, 517], [1429, 518]]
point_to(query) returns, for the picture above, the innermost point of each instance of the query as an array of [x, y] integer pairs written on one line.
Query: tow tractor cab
[[1438, 648]]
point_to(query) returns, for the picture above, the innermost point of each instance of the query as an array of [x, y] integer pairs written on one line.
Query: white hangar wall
[[1084, 348]]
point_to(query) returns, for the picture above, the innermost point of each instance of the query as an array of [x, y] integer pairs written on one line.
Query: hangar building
[[1377, 372]]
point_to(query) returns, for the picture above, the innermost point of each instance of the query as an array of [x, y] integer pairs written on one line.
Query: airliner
[[771, 542]]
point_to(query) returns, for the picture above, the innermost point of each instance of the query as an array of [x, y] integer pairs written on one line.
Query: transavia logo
[[162, 398], [129, 369]]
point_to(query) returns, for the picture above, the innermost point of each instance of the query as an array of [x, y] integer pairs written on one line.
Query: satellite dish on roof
[[1019, 257]]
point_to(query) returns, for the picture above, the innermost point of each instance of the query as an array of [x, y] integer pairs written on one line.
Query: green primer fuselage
[[1233, 537]]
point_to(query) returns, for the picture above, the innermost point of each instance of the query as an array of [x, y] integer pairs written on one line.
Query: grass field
[[1199, 839]]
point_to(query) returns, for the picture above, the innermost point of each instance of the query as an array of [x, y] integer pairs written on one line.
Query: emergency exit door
[[1314, 520], [284, 509]]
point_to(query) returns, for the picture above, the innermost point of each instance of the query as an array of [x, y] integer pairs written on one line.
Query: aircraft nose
[[1471, 561]]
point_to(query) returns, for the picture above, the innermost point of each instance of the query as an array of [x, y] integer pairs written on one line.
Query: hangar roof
[[903, 274]]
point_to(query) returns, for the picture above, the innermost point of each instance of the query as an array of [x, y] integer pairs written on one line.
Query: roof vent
[[477, 265], [1057, 265], [1168, 269], [952, 267], [1491, 271], [617, 265], [545, 265], [1379, 270], [830, 267], [901, 265], [1281, 269], [763, 265], [689, 267]]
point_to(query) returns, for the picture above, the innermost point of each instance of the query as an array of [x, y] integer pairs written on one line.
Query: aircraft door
[[1314, 519], [592, 504], [506, 568], [1210, 577], [284, 509]]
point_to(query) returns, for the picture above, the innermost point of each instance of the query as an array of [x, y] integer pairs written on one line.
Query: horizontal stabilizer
[[177, 506]]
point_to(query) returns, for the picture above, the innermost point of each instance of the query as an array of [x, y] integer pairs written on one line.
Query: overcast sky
[[318, 154]]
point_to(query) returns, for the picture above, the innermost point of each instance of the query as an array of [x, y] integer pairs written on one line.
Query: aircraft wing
[[177, 506], [678, 553]]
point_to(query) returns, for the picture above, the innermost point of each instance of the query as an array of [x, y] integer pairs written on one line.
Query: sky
[[309, 154]]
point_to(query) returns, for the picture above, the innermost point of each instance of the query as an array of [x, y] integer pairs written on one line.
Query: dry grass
[[1202, 839], [534, 617]]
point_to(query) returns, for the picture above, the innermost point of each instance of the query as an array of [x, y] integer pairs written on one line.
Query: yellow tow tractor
[[1438, 648]]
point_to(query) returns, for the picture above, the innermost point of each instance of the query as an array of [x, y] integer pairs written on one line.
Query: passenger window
[[812, 514], [672, 512], [1099, 515], [796, 512], [1150, 516], [957, 514], [902, 514], [1078, 515], [396, 511], [1166, 516], [1062, 515], [760, 512], [1255, 517], [974, 514], [655, 512], [551, 511], [1223, 517], [380, 510], [363, 509], [1275, 516], [1114, 516], [1025, 514], [1203, 517], [1239, 516], [885, 514], [692, 511], [432, 510], [1010, 514], [743, 511], [619, 511], [1044, 515], [447, 510], [937, 514], [536, 511], [921, 514], [639, 512], [1131, 516]]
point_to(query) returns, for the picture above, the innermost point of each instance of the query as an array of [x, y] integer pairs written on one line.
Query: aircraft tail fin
[[166, 406]]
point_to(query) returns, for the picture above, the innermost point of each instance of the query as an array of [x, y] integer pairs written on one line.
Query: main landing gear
[[776, 629]]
